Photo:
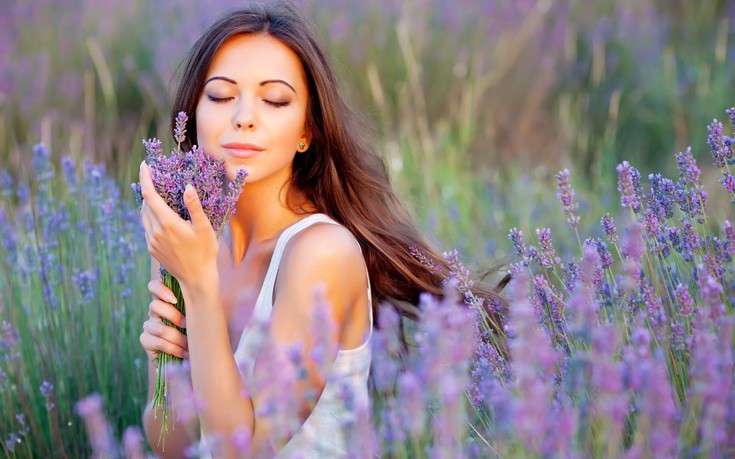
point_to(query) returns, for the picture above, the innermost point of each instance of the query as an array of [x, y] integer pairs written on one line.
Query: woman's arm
[[323, 254]]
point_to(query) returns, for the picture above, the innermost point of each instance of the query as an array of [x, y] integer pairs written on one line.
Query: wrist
[[201, 287]]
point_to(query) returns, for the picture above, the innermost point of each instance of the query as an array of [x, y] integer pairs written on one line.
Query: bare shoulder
[[326, 246], [327, 254]]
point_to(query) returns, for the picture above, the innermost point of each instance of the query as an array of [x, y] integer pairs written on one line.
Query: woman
[[317, 209]]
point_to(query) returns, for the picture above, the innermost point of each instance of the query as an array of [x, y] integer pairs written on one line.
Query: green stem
[[160, 395]]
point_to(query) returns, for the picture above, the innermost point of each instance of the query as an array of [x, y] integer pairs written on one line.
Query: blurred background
[[475, 101], [477, 105]]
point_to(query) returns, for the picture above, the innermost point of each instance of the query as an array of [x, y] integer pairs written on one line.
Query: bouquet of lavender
[[170, 175]]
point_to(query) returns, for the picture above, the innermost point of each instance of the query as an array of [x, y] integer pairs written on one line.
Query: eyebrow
[[262, 83]]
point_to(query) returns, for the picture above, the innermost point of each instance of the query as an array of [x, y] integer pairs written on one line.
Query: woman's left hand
[[186, 249]]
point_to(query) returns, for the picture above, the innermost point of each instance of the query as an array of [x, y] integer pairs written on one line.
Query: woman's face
[[252, 111]]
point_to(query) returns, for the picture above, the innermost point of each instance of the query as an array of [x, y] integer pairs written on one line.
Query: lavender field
[[586, 145]]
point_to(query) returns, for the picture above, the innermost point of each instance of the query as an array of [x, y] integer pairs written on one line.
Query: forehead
[[253, 58]]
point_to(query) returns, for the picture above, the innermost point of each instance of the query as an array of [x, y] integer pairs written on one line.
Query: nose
[[244, 118]]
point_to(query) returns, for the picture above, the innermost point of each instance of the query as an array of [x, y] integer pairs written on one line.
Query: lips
[[242, 150]]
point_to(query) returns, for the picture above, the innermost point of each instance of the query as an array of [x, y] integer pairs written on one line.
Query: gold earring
[[302, 145]]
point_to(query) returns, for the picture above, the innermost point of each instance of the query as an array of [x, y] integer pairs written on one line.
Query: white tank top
[[323, 433]]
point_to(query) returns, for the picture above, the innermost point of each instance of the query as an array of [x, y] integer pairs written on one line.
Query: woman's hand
[[187, 249], [158, 337]]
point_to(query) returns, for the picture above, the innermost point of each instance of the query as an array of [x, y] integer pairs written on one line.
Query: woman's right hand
[[158, 337]]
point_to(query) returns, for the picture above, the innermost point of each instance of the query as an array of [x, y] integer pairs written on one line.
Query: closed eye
[[219, 100], [275, 104]]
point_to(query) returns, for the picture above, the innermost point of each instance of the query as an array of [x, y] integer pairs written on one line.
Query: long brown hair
[[342, 172]]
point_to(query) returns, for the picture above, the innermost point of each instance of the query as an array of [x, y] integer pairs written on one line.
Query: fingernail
[[183, 322], [189, 189], [172, 299], [142, 163]]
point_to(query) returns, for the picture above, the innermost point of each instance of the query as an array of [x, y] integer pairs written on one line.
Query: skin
[[243, 103]]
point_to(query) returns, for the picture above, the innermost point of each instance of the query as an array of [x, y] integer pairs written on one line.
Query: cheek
[[206, 132]]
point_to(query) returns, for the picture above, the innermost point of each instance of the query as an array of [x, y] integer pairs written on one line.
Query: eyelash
[[221, 100]]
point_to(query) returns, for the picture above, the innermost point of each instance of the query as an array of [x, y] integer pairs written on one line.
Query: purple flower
[[629, 186], [663, 192], [711, 293], [47, 390], [565, 194], [592, 264], [8, 342], [632, 243], [730, 235], [690, 241], [133, 443], [70, 172], [712, 381], [85, 282], [608, 226], [659, 408], [721, 152], [654, 305], [180, 130], [571, 275], [728, 181], [684, 299], [689, 172], [100, 433], [547, 257], [424, 259], [6, 183], [458, 271], [411, 391], [516, 237], [171, 174]]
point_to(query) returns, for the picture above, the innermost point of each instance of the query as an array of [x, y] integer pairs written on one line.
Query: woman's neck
[[261, 216]]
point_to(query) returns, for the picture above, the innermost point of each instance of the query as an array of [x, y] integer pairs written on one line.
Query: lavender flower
[[180, 130], [684, 299], [659, 409], [9, 342], [565, 194], [662, 196], [425, 260], [721, 152], [516, 237], [690, 241], [728, 181], [711, 292], [629, 186], [100, 433], [712, 381], [133, 443], [458, 271], [47, 390], [547, 257], [608, 225], [6, 183], [689, 172], [571, 275], [171, 174], [730, 235]]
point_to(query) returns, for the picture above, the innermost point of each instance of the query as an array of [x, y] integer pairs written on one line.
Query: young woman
[[317, 209]]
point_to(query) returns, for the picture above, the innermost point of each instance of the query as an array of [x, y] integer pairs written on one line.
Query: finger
[[167, 311], [199, 219], [155, 344], [156, 204], [159, 290], [166, 333]]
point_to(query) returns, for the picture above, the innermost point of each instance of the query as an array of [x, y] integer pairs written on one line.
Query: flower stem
[[161, 401]]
